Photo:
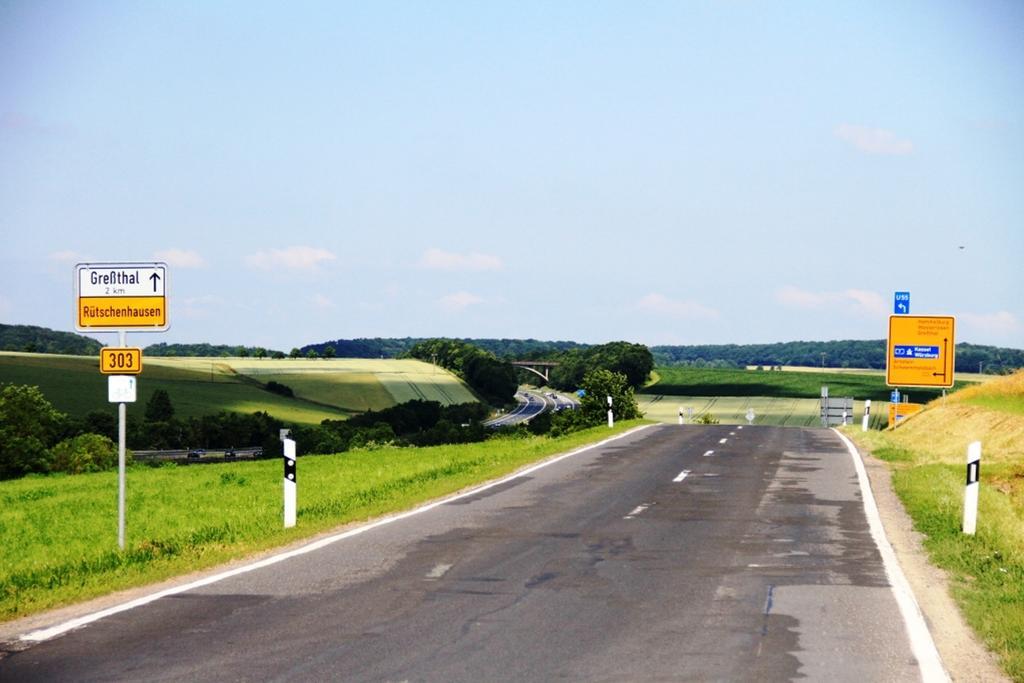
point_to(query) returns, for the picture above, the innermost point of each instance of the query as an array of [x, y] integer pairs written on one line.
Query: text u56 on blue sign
[[923, 352]]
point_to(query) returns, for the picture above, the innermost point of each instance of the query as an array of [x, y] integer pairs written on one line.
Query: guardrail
[[199, 455]]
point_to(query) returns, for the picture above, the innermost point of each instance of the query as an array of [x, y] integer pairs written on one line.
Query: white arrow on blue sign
[[901, 303]]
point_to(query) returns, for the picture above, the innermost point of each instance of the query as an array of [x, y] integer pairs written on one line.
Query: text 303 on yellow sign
[[120, 361]]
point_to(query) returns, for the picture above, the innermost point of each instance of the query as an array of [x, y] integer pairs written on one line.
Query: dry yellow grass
[[941, 432]]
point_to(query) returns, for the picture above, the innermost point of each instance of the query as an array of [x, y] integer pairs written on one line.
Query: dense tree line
[[832, 354], [492, 379], [505, 349], [42, 340], [633, 361], [211, 351]]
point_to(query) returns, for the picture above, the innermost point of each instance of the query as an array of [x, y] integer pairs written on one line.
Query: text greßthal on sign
[[121, 296]]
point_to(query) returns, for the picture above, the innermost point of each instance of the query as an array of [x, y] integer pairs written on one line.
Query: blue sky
[[665, 173]]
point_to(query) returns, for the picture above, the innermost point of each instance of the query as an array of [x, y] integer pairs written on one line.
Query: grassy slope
[[180, 519], [199, 386], [928, 454]]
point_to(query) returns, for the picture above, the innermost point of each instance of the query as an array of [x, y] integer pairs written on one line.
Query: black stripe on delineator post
[[973, 472]]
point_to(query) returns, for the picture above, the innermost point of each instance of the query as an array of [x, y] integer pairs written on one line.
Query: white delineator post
[[682, 420], [971, 492], [611, 418], [289, 480], [867, 416]]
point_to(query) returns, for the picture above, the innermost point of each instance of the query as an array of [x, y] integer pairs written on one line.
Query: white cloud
[[197, 308], [873, 140], [859, 301], [68, 256], [438, 259], [180, 258], [1000, 323], [459, 301], [322, 302], [297, 257], [661, 304]]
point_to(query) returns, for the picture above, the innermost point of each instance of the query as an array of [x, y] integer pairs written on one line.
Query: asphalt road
[[675, 553]]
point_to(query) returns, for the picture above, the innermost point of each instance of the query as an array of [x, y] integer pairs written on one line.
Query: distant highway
[[531, 404]]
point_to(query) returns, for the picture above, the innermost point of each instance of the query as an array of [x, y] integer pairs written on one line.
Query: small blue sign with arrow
[[901, 303]]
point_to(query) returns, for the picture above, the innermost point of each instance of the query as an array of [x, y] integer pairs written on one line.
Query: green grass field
[[324, 389], [687, 381], [60, 532]]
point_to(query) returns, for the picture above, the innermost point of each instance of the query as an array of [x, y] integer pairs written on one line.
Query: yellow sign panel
[[120, 361], [921, 351], [122, 312], [898, 411], [121, 296]]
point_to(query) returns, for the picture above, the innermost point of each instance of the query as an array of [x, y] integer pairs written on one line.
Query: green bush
[[29, 425], [85, 453]]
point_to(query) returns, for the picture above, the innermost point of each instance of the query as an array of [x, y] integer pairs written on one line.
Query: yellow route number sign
[[120, 361], [121, 296], [921, 351]]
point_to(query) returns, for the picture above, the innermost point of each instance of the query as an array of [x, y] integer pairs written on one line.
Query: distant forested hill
[[506, 349], [834, 354], [42, 340], [210, 350]]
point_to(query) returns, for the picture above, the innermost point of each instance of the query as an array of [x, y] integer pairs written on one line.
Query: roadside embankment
[[926, 458]]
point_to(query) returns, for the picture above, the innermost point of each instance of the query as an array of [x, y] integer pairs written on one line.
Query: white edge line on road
[[682, 475], [921, 642], [40, 635]]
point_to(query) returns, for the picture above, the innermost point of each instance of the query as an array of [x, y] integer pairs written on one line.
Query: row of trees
[[833, 354], [492, 379], [633, 361]]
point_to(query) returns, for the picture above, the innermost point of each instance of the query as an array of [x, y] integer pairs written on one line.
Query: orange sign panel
[[120, 361], [920, 351]]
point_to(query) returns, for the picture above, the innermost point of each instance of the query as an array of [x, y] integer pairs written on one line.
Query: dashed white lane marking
[[712, 475], [739, 428], [682, 475], [921, 643], [707, 453], [42, 634], [438, 571], [732, 433], [636, 511], [722, 440]]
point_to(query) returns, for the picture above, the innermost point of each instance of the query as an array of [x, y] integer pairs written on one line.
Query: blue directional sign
[[923, 352], [901, 303], [894, 397]]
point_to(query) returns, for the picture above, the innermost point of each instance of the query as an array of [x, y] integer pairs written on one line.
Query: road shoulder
[[962, 653]]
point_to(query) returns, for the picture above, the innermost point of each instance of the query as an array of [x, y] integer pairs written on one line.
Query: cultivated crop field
[[324, 389], [60, 532], [688, 381], [768, 410]]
